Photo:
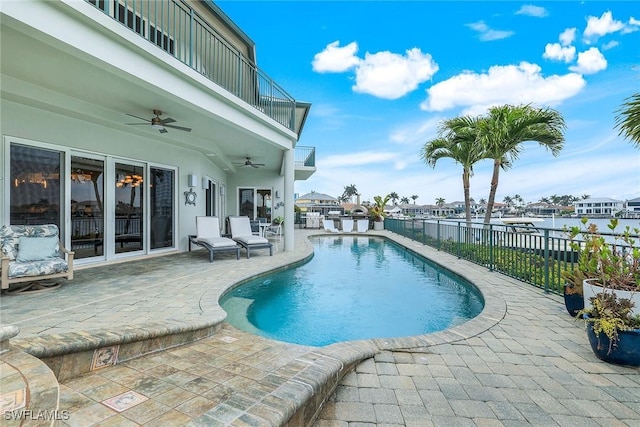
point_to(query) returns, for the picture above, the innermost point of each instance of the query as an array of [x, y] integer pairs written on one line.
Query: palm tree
[[394, 197], [404, 200], [456, 140], [414, 197], [349, 192], [628, 119], [506, 127]]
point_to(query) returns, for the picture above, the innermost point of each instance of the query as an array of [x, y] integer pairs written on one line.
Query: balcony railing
[[305, 156], [180, 31]]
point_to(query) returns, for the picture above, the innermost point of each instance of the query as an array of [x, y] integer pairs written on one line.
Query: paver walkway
[[523, 362]]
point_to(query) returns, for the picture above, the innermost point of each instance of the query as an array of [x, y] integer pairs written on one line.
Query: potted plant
[[573, 298], [613, 331], [607, 266], [376, 211], [278, 220]]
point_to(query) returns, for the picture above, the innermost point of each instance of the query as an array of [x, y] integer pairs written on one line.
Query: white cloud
[[390, 75], [610, 45], [589, 62], [415, 133], [567, 36], [531, 10], [632, 25], [509, 84], [355, 159], [598, 27], [336, 59], [556, 52], [488, 34]]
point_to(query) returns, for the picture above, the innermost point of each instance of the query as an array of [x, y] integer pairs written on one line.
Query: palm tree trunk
[[492, 191], [467, 198]]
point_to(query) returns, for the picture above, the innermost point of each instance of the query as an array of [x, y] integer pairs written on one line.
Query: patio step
[[73, 354]]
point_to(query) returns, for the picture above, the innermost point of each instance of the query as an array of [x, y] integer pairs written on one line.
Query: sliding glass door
[[87, 206], [129, 208]]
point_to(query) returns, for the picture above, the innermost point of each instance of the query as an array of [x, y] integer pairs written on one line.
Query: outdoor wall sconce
[[192, 180]]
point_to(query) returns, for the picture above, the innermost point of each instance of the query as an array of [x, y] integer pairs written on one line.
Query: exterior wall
[[594, 206], [31, 124], [223, 29]]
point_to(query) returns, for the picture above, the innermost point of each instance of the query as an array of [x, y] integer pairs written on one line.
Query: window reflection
[[129, 208], [87, 207], [35, 193], [161, 194]]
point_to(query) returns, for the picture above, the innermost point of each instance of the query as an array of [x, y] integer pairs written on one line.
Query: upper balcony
[[178, 29], [304, 162]]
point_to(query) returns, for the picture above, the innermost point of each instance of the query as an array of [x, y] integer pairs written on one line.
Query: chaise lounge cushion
[[37, 268], [218, 242], [37, 248], [251, 240]]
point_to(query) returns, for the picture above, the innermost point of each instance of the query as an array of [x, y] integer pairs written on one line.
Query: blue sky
[[382, 75]]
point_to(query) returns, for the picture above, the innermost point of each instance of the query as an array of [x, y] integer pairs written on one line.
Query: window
[[127, 17], [36, 191], [161, 194], [162, 39]]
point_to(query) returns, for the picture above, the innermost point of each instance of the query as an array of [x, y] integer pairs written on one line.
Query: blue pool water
[[354, 287]]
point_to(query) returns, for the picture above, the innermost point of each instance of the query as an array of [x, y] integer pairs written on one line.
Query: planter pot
[[626, 352], [378, 225], [573, 302], [591, 289]]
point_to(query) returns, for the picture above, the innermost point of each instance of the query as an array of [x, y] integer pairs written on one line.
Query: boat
[[522, 224]]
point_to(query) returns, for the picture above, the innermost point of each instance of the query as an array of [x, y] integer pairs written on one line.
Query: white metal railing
[[176, 28]]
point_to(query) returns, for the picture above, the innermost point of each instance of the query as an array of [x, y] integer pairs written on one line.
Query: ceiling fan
[[158, 123], [249, 164]]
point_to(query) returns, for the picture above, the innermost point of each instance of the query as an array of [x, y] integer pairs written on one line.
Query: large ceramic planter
[[590, 289], [626, 352], [573, 302], [378, 225]]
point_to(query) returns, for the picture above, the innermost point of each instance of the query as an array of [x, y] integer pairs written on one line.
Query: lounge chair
[[241, 232], [363, 225], [329, 226], [347, 225], [208, 236]]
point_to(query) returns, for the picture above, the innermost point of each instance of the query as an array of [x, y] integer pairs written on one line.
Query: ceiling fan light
[[157, 126]]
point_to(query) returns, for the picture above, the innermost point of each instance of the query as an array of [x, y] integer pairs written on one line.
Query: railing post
[[424, 232], [546, 260], [191, 37], [438, 234], [491, 247], [459, 240]]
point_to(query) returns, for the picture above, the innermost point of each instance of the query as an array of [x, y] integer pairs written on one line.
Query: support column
[[289, 214]]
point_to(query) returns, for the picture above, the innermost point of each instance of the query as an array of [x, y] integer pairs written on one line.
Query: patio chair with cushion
[[241, 232], [208, 236], [31, 253]]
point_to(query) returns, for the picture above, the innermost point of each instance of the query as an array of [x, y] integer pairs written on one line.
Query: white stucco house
[[599, 206], [123, 120]]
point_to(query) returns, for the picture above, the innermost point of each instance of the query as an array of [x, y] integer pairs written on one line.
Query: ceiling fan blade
[[167, 120], [163, 130], [136, 124], [254, 165], [258, 164], [145, 120], [178, 127]]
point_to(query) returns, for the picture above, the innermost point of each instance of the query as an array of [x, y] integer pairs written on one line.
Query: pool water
[[354, 287]]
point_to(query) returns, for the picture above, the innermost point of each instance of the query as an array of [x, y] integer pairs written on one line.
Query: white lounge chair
[[208, 236], [241, 232], [329, 226], [363, 225], [347, 225]]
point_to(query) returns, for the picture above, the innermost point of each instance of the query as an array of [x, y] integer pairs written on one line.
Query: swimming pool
[[354, 287]]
